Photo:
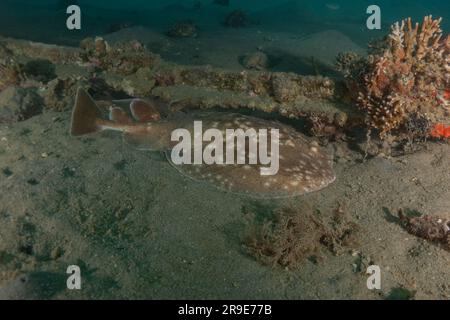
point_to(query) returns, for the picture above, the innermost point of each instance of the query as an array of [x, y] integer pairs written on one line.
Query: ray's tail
[[85, 115]]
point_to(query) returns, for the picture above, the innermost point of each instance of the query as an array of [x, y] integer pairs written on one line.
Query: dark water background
[[45, 20]]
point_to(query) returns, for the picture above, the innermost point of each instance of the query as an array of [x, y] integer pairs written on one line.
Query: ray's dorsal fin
[[84, 115], [119, 116], [144, 111]]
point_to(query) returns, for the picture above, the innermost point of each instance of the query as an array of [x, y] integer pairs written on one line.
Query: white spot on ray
[[290, 143]]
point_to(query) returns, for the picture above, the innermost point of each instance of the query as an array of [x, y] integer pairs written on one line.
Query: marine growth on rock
[[435, 229], [403, 78]]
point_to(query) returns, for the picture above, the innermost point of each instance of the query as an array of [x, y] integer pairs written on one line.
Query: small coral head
[[406, 78]]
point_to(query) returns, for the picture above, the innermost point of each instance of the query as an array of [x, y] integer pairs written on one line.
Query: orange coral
[[440, 130], [446, 94], [402, 79]]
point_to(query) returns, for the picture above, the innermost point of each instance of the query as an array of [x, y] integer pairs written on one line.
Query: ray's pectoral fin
[[144, 111], [85, 115]]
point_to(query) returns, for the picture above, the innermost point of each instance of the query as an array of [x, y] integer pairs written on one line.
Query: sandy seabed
[[139, 229]]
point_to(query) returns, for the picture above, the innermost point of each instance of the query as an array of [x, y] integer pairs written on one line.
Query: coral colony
[[405, 79]]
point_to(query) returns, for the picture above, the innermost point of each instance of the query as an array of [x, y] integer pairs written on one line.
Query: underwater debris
[[403, 77], [435, 229], [237, 19], [183, 29], [294, 235]]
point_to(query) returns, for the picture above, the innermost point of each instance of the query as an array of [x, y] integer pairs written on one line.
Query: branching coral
[[404, 78], [404, 75]]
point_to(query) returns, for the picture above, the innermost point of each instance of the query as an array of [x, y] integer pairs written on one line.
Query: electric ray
[[303, 166]]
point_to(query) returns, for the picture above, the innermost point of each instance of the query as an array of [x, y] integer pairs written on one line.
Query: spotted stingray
[[303, 166]]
